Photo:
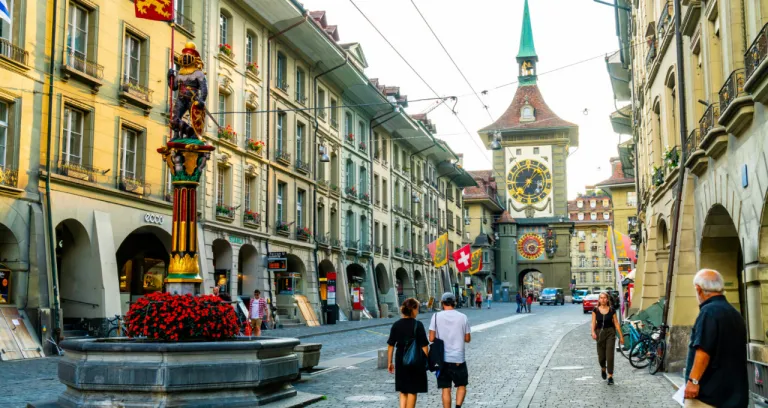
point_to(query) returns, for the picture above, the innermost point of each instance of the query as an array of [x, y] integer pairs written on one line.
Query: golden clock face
[[529, 182]]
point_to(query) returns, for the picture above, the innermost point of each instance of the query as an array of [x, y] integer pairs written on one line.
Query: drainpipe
[[315, 160], [681, 169], [51, 234], [269, 114], [370, 183]]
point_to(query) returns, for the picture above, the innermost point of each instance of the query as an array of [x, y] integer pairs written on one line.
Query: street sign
[[277, 254], [277, 264]]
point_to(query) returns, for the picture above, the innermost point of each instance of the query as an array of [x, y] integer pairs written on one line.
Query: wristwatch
[[694, 381]]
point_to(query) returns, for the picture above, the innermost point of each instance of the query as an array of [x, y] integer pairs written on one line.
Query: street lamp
[[415, 198], [495, 143], [323, 154]]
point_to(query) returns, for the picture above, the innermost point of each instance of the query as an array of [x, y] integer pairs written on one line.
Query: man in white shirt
[[453, 329]]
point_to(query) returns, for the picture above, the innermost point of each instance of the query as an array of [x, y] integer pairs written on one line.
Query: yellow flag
[[477, 262], [439, 250]]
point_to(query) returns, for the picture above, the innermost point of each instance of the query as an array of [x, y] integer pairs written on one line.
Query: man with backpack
[[452, 329]]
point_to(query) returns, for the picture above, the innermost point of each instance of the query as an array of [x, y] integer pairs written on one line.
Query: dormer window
[[527, 113]]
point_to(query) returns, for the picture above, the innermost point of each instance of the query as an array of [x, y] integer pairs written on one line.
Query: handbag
[[436, 355], [413, 356]]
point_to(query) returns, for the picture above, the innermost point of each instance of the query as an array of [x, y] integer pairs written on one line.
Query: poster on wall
[[5, 286]]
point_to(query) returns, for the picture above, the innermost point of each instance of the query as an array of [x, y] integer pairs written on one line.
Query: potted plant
[[351, 138], [226, 49], [251, 216], [362, 146], [671, 158], [255, 145], [252, 67], [282, 227], [225, 210], [334, 187], [366, 197], [227, 133], [303, 233], [351, 191]]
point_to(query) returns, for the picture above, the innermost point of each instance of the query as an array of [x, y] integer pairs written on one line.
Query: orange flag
[[158, 10], [439, 250]]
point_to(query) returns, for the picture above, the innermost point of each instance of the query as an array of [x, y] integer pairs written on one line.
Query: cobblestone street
[[504, 357]]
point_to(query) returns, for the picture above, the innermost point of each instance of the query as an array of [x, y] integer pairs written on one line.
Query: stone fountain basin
[[125, 372]]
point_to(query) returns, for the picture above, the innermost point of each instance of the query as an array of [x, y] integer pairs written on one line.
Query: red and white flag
[[158, 10], [463, 258]]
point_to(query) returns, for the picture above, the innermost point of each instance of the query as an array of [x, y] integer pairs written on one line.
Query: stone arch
[[404, 285], [538, 280], [81, 288], [289, 283], [662, 235], [248, 270], [142, 263], [9, 245], [382, 279], [222, 263], [355, 275], [721, 251], [420, 285]]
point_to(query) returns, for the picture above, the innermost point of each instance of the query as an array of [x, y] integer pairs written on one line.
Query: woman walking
[[529, 300], [489, 298], [409, 381], [479, 300], [605, 324]]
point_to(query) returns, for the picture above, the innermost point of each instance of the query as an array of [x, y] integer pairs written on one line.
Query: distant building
[[591, 214]]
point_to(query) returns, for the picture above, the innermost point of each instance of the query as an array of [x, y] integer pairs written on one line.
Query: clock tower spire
[[526, 55]]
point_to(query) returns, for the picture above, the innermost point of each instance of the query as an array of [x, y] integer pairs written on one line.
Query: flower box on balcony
[[252, 219], [362, 146], [135, 94], [283, 228], [283, 157], [350, 138], [78, 171], [256, 146], [227, 134], [302, 166], [131, 185], [351, 192], [366, 197], [226, 49], [303, 233], [252, 68], [334, 189], [225, 211]]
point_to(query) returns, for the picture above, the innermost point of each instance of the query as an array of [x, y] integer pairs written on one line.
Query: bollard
[[383, 363]]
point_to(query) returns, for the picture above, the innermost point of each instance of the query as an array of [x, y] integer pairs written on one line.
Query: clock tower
[[530, 146], [530, 166]]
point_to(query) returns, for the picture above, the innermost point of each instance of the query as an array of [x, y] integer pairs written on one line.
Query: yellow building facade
[[592, 214]]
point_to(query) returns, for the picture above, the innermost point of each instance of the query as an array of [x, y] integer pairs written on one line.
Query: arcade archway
[[9, 251], [248, 278], [404, 285], [81, 286], [289, 283], [721, 251], [142, 262], [531, 281], [382, 279], [420, 286]]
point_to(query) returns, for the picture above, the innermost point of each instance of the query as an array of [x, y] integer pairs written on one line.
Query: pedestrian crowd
[[524, 302]]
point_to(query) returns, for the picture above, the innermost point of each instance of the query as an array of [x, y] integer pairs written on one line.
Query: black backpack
[[436, 351]]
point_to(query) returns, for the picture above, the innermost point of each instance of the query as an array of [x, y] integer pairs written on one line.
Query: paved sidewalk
[[572, 378]]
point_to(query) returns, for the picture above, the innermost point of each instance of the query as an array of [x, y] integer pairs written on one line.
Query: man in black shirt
[[717, 353]]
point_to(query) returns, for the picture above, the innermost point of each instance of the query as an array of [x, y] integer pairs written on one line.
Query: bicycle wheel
[[627, 346], [658, 351], [638, 355]]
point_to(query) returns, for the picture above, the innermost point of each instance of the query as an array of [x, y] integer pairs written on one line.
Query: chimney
[[617, 172]]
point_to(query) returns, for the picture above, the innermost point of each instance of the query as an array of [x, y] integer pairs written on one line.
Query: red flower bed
[[167, 317]]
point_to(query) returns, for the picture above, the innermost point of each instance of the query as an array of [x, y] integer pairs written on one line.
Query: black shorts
[[453, 373]]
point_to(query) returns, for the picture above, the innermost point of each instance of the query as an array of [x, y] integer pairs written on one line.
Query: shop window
[[288, 283]]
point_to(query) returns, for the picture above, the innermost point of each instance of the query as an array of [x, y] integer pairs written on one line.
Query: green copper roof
[[527, 49]]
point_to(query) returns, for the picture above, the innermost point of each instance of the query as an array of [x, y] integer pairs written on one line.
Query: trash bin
[[332, 314]]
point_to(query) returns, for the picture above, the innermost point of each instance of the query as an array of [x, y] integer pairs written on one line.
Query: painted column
[[186, 159]]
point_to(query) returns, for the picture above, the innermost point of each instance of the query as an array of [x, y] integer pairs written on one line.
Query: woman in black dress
[[409, 381]]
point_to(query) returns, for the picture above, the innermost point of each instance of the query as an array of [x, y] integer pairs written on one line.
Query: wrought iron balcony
[[302, 166], [84, 66], [303, 233], [351, 192], [651, 55], [9, 177], [385, 251], [184, 22], [709, 119], [12, 52], [665, 19], [352, 245], [334, 123], [321, 113], [283, 157], [757, 52], [322, 240], [335, 242], [139, 91], [133, 185], [301, 98], [658, 176], [732, 88], [377, 250], [692, 142], [79, 171], [282, 85], [367, 248]]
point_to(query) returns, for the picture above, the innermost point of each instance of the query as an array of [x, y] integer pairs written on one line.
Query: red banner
[[158, 10], [463, 258]]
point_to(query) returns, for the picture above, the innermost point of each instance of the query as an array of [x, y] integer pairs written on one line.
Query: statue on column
[[192, 87]]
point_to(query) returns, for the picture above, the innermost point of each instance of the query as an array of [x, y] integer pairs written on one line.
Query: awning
[[627, 157], [621, 120], [455, 174], [620, 77]]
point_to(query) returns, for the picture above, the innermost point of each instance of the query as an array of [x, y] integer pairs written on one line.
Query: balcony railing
[[252, 218], [709, 119], [223, 210], [300, 98], [385, 251], [665, 19], [351, 192], [334, 123], [133, 185], [732, 88], [321, 113], [302, 166], [322, 240], [282, 85], [352, 245], [89, 68], [284, 157], [13, 52], [658, 176], [335, 242], [651, 55], [79, 171], [303, 233], [367, 248], [140, 92], [757, 52], [184, 22], [377, 250], [692, 142], [9, 177]]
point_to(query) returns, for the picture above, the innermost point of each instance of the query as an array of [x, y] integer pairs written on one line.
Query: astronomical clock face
[[529, 182], [530, 246]]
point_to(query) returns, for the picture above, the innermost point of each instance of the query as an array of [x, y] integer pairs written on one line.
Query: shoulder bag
[[413, 356], [436, 351]]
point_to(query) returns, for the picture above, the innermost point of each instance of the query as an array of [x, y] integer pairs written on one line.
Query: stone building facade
[[592, 214], [721, 159]]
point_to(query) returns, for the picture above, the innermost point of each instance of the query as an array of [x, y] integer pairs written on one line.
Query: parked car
[[552, 296], [590, 302], [578, 296]]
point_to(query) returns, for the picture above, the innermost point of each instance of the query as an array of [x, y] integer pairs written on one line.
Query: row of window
[[581, 277], [595, 262], [593, 216]]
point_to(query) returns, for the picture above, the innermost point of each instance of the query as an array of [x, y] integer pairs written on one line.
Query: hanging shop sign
[[236, 240], [277, 264]]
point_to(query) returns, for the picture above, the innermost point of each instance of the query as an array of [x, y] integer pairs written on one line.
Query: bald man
[[716, 374]]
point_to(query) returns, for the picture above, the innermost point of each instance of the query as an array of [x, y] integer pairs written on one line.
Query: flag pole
[[173, 79]]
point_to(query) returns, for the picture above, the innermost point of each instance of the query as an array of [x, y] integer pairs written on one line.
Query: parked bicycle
[[117, 327], [632, 334], [649, 352]]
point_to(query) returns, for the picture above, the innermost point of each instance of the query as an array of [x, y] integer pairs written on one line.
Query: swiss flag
[[463, 258]]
